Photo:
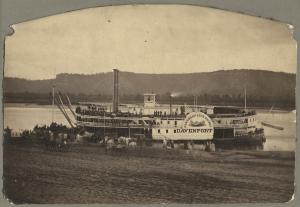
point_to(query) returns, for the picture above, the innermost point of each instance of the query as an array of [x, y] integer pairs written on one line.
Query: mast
[[194, 101], [53, 95], [245, 96], [170, 104], [53, 86], [245, 91], [116, 90]]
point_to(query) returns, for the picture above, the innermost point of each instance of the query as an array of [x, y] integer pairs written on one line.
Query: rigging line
[[63, 110]]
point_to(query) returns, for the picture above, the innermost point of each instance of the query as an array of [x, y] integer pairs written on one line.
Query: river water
[[22, 116]]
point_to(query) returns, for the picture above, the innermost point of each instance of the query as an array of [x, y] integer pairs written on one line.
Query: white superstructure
[[195, 126]]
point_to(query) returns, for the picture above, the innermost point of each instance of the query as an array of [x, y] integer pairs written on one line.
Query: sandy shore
[[87, 174]]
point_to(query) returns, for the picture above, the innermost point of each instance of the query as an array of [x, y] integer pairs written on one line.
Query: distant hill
[[231, 83]]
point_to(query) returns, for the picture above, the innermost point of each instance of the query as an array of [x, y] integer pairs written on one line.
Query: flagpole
[[245, 96], [53, 102]]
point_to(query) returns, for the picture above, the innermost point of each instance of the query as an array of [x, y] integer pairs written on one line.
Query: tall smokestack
[[116, 90], [170, 104]]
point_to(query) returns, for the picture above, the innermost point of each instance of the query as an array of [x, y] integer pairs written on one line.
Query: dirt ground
[[87, 174]]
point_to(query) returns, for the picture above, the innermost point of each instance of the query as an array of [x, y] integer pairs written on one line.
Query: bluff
[[232, 82]]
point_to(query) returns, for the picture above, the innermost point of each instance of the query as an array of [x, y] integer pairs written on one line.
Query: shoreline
[[36, 105]]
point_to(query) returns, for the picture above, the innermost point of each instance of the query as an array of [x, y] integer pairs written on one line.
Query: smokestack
[[116, 90], [170, 104]]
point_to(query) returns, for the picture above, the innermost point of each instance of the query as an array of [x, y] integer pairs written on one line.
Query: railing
[[243, 125], [96, 124], [232, 115], [84, 112]]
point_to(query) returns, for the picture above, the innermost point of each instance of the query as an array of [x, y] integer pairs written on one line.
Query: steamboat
[[225, 127]]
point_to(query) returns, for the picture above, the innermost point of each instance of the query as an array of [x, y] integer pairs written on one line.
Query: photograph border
[[16, 11]]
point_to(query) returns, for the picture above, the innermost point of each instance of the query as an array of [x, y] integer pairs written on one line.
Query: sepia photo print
[[149, 104]]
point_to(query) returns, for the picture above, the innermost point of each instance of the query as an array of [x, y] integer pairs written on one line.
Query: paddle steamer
[[226, 127]]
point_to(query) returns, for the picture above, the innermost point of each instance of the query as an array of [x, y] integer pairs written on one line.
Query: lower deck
[[221, 136]]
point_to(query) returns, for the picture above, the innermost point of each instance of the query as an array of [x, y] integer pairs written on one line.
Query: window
[[175, 123], [168, 122], [158, 130], [167, 131], [174, 131]]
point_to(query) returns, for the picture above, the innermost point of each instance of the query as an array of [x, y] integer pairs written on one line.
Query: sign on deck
[[196, 126]]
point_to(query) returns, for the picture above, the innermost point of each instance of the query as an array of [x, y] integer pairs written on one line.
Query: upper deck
[[150, 114], [161, 111]]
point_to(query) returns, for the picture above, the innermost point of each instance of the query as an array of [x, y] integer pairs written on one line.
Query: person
[[7, 132], [164, 143]]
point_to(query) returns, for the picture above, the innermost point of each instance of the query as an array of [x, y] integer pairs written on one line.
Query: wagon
[[59, 142]]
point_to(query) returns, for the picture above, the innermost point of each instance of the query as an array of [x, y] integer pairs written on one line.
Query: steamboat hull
[[118, 131], [254, 141], [250, 141]]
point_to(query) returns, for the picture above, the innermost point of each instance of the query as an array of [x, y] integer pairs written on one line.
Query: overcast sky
[[148, 39]]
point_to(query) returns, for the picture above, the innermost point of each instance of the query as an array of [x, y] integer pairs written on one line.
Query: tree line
[[202, 99]]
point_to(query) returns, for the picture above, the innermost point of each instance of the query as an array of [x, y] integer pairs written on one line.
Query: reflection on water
[[20, 117]]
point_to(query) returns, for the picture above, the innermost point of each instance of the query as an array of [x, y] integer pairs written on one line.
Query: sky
[[148, 39]]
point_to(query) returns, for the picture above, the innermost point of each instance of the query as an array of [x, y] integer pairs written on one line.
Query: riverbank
[[47, 105], [266, 109], [87, 174]]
